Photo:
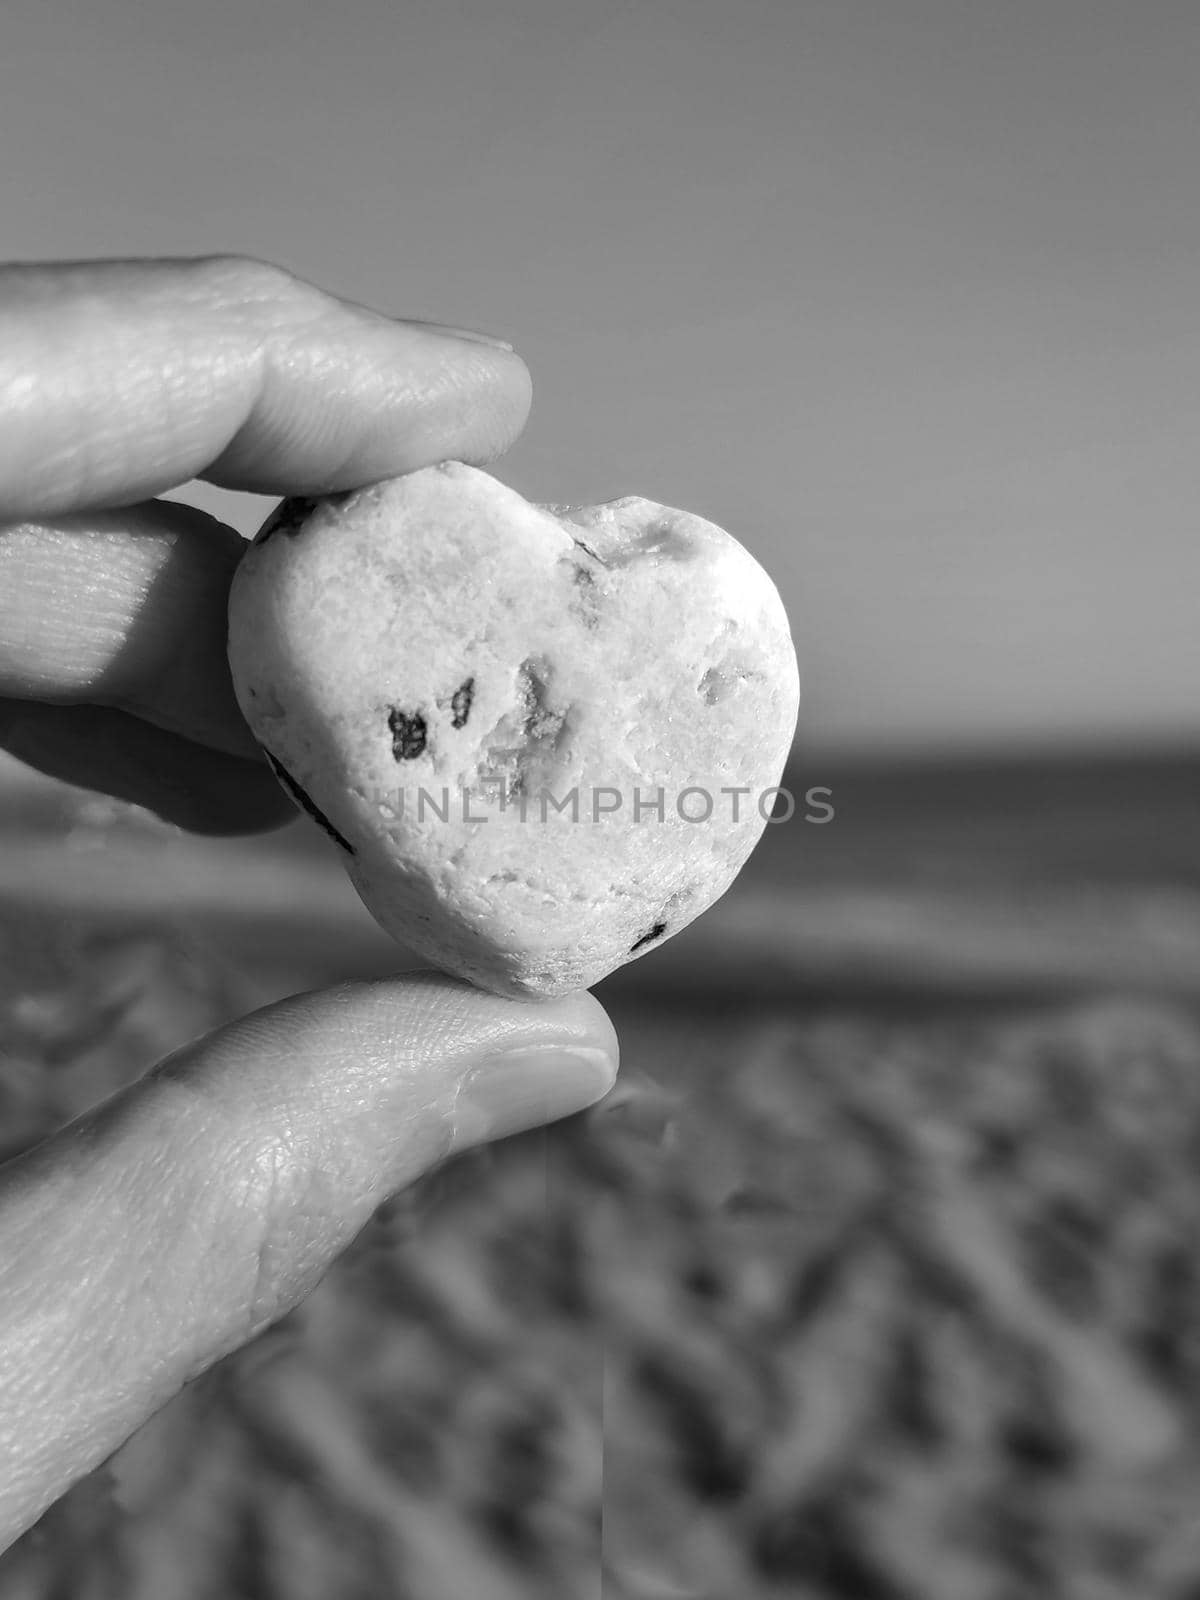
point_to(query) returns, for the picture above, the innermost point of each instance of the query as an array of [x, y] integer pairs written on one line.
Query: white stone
[[439, 666]]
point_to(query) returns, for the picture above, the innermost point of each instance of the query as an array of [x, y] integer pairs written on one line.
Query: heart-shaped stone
[[544, 738]]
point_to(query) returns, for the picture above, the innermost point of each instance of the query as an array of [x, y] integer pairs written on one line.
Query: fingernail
[[471, 334], [526, 1089]]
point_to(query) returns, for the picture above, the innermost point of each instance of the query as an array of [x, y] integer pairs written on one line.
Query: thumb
[[174, 1222]]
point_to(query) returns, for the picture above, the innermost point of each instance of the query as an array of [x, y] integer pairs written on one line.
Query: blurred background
[[901, 293], [874, 1279]]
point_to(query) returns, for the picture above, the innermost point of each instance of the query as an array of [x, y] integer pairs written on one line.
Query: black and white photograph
[[600, 800]]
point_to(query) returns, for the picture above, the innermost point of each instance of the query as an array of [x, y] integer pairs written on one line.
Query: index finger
[[119, 379]]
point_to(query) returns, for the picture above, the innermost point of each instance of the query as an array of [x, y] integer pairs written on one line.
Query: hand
[[173, 1223]]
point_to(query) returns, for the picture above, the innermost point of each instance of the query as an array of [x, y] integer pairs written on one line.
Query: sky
[[904, 293]]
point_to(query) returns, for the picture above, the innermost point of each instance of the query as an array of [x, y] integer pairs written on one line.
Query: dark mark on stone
[[288, 517], [656, 932], [587, 550], [292, 515], [305, 804], [460, 704], [408, 730]]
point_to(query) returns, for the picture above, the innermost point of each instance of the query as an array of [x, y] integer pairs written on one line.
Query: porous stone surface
[[522, 725]]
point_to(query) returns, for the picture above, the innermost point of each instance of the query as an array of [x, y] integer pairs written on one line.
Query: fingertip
[[286, 388], [351, 396], [434, 1022], [577, 1020], [517, 389]]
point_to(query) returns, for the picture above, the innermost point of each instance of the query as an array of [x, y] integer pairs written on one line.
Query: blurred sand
[[872, 1279]]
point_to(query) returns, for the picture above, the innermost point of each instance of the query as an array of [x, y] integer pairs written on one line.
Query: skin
[[171, 1224]]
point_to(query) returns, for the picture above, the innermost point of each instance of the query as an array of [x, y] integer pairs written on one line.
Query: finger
[[125, 608], [111, 752], [119, 612], [172, 1224], [119, 379]]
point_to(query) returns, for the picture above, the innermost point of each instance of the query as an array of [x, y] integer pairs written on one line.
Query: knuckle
[[259, 1186], [273, 1218], [238, 281]]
